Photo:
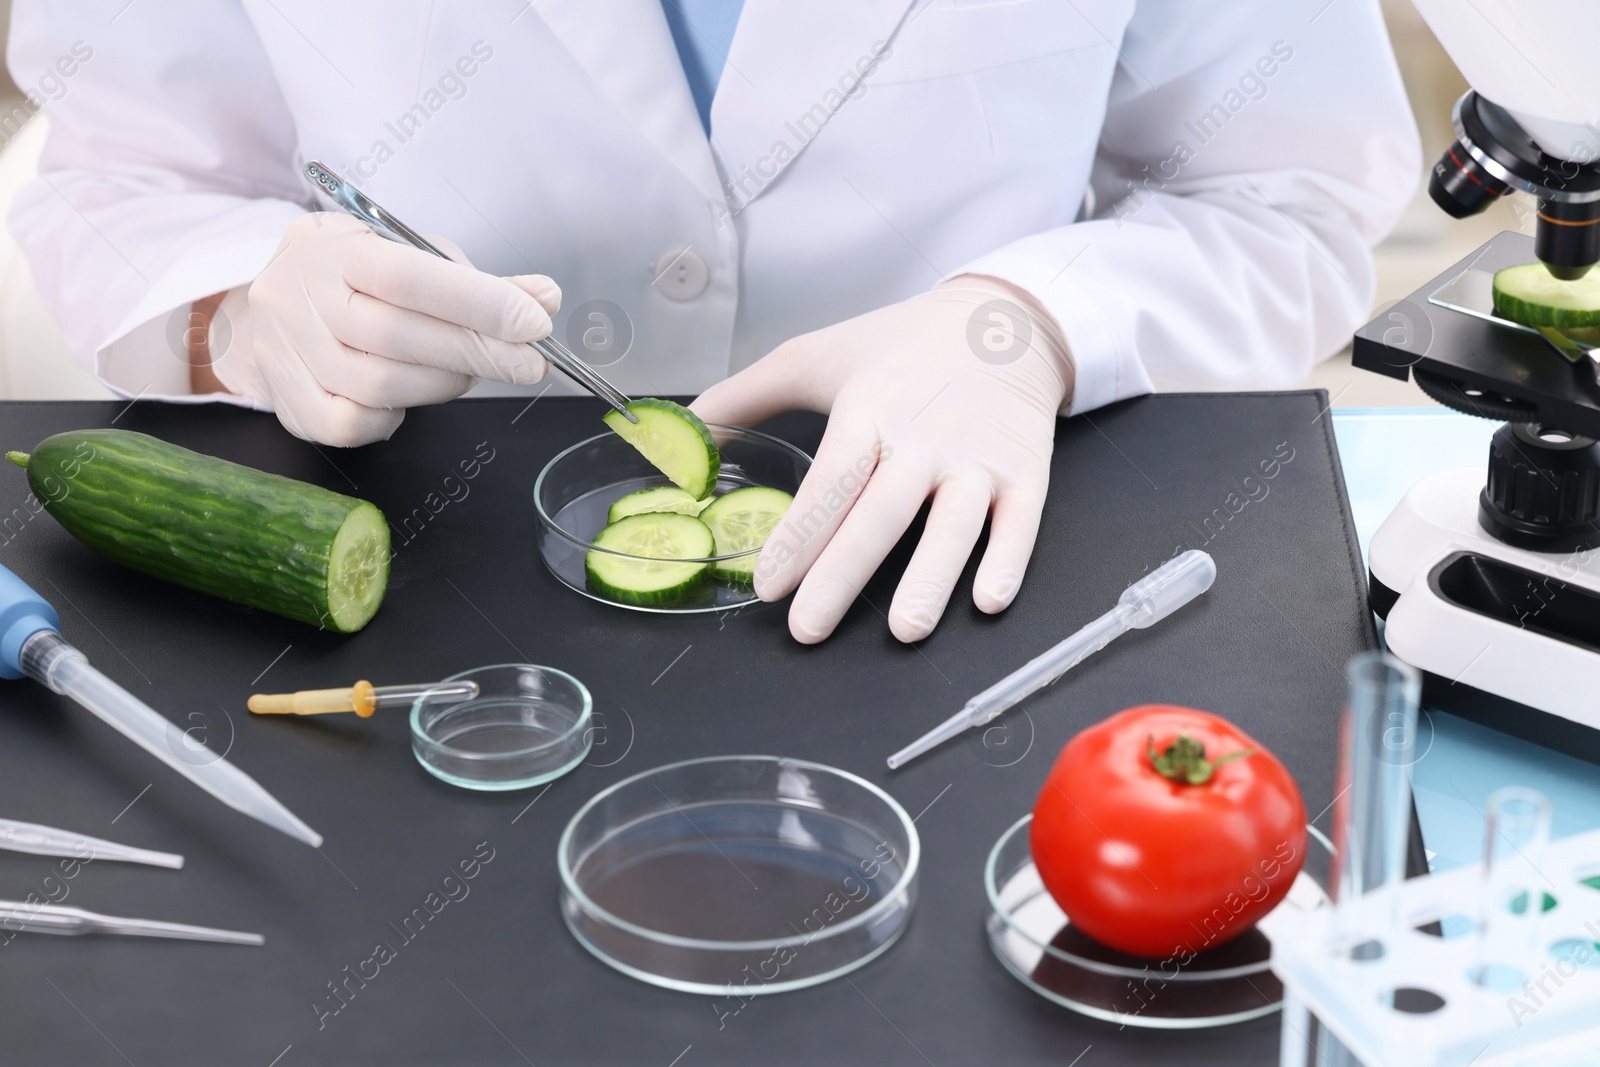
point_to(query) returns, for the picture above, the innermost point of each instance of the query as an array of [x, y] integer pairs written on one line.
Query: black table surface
[[495, 978]]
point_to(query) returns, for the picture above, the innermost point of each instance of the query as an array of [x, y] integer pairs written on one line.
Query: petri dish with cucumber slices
[[667, 514]]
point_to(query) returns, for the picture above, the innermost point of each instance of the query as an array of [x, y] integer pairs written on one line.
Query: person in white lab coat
[[942, 222]]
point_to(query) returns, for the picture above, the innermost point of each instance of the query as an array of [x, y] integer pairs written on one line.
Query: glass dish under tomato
[[1036, 942]]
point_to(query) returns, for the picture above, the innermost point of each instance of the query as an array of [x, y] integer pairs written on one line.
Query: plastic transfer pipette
[[40, 840], [19, 915], [31, 646], [1144, 603]]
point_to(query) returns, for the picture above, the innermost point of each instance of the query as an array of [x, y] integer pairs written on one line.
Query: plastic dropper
[[48, 841], [30, 917], [32, 646], [363, 698], [1144, 603]]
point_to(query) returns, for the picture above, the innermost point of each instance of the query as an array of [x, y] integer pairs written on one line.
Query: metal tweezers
[[356, 203]]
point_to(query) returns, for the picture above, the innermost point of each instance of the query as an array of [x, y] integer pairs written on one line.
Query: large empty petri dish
[[527, 725], [1038, 944], [739, 875]]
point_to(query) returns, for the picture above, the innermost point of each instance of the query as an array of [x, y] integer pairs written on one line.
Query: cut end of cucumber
[[19, 458], [1531, 295], [674, 439], [358, 569], [649, 559], [741, 522]]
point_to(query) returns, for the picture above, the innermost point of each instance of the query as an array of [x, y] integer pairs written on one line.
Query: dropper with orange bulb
[[363, 698]]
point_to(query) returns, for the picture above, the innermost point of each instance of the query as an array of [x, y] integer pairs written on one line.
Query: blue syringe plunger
[[31, 646], [23, 613]]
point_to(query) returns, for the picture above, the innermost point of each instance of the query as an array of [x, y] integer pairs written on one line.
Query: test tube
[[1516, 830], [1373, 807], [1372, 815]]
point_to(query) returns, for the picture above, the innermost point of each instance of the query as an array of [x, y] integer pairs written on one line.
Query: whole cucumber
[[232, 531]]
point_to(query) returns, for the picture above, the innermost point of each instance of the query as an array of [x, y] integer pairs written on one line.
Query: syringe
[[1144, 603], [31, 646]]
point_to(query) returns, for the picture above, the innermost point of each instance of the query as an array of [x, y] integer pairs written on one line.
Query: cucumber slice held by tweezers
[[674, 439]]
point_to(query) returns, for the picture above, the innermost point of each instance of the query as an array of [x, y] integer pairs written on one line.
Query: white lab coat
[[1243, 155]]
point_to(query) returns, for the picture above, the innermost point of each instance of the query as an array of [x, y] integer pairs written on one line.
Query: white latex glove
[[344, 330], [945, 395]]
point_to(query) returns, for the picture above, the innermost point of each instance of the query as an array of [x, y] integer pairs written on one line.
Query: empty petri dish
[[527, 725], [1038, 944], [739, 875]]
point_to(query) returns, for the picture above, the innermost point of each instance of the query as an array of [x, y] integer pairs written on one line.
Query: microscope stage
[[1495, 369]]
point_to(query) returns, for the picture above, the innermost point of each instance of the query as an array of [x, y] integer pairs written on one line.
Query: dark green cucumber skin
[[653, 599], [217, 527], [1531, 314], [740, 579]]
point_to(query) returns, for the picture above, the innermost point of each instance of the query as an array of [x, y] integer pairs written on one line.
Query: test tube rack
[[1349, 989]]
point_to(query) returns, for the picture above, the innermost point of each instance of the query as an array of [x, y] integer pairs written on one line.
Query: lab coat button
[[682, 274]]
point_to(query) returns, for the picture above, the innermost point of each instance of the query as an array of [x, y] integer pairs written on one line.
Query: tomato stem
[[1185, 760]]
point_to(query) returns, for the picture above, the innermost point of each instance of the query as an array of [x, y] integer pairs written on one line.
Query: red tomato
[[1170, 861]]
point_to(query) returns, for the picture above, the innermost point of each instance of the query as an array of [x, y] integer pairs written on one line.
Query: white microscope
[[1494, 581], [1491, 581]]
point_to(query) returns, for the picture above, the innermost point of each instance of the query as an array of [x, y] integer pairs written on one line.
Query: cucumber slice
[[658, 498], [741, 522], [1531, 295], [663, 558], [674, 439]]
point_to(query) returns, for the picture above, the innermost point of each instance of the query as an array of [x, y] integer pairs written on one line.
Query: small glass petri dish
[[1037, 943], [739, 875], [527, 725], [577, 488]]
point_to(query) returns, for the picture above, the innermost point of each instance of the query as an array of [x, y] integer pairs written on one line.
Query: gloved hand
[[344, 330], [952, 394]]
